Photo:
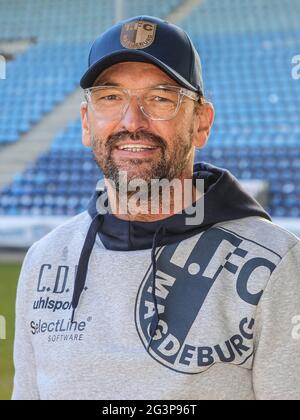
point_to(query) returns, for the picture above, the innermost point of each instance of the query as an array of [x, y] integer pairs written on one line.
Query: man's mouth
[[136, 149]]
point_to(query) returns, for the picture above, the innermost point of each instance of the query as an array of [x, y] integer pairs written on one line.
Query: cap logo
[[138, 34]]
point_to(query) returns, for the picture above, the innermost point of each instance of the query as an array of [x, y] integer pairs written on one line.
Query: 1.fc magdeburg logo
[[207, 290]]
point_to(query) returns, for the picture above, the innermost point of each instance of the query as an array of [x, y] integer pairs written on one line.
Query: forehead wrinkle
[[114, 84], [111, 74]]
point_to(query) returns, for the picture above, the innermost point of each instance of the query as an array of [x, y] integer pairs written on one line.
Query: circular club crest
[[138, 34], [184, 340]]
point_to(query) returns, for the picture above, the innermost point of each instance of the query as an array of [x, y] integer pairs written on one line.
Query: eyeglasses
[[158, 103]]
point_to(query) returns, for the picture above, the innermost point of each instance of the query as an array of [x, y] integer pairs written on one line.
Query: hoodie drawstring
[[155, 318], [80, 278], [81, 273]]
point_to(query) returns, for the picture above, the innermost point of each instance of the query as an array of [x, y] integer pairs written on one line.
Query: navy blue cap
[[151, 40]]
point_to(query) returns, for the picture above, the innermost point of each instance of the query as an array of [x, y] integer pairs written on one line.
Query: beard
[[170, 165]]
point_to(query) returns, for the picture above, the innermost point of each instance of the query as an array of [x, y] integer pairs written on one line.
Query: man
[[119, 304]]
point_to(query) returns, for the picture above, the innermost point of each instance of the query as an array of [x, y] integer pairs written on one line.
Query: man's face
[[172, 141]]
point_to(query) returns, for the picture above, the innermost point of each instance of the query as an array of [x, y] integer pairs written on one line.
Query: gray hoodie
[[110, 309]]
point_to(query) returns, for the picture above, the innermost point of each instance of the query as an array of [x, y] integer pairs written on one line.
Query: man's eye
[[109, 98], [160, 99]]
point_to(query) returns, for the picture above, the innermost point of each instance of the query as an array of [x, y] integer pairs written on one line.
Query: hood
[[224, 200]]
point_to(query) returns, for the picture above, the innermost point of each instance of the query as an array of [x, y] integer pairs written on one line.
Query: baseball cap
[[151, 40]]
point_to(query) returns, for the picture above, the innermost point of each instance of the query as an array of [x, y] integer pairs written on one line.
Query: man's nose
[[133, 118]]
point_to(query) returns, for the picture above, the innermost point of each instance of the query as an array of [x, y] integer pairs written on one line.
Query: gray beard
[[163, 168]]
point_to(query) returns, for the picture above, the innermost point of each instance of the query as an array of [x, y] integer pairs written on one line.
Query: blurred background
[[250, 51]]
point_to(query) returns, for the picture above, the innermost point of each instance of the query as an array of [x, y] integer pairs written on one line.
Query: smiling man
[[124, 305], [133, 110], [129, 121]]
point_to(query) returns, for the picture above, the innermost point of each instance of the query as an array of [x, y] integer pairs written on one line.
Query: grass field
[[9, 274]]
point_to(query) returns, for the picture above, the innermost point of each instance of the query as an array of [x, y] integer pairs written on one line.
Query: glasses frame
[[183, 92]]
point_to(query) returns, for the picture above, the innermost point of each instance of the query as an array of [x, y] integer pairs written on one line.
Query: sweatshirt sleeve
[[25, 381], [276, 369]]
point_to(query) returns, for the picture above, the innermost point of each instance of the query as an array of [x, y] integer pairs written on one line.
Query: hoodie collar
[[224, 200]]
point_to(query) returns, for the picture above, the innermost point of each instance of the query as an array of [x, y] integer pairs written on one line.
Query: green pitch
[[9, 274]]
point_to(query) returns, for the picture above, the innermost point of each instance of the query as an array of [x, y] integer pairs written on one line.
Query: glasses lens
[[108, 101], [157, 103], [160, 103]]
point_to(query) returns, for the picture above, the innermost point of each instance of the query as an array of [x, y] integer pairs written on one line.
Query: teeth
[[135, 147]]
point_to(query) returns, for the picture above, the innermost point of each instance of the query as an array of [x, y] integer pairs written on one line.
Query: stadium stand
[[42, 76], [70, 20], [246, 48], [59, 183], [37, 81]]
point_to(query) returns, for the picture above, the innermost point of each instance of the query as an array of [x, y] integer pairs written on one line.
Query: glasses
[[158, 103]]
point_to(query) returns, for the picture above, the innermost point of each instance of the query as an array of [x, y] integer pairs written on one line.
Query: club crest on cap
[[138, 34]]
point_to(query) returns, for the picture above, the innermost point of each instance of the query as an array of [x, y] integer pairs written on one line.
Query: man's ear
[[86, 138], [203, 121]]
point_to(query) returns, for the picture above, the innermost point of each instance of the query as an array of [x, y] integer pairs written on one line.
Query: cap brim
[[120, 56]]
